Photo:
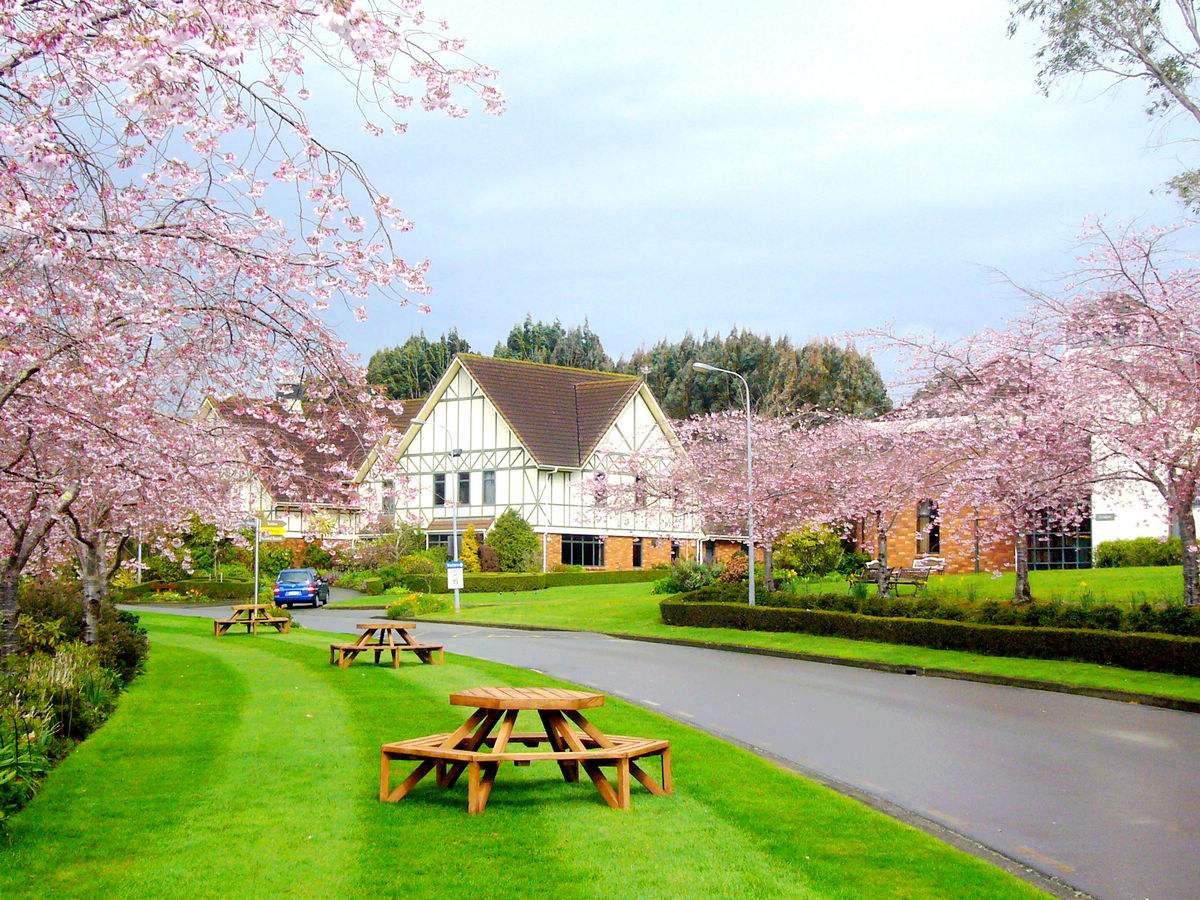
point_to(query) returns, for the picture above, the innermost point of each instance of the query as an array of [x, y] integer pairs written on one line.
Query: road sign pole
[[256, 532]]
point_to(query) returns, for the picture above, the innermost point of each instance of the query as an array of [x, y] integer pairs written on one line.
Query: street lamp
[[705, 367], [456, 455]]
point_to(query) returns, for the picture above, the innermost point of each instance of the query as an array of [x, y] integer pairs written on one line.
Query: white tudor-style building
[[530, 435]]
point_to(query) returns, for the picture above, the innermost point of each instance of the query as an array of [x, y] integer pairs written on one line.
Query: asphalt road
[[1103, 795]]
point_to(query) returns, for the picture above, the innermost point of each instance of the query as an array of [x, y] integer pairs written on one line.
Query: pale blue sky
[[798, 169]]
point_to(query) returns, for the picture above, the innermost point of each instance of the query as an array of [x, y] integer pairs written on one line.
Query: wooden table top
[[526, 698], [250, 606], [374, 626]]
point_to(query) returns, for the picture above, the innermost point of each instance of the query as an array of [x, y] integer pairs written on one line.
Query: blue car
[[300, 586]]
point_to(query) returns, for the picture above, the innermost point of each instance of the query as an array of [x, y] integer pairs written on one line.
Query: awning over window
[[446, 526]]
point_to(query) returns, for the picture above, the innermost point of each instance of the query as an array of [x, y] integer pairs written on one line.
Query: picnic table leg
[[472, 743], [410, 782], [668, 782], [623, 783], [474, 805], [490, 769], [570, 770], [644, 777], [593, 769], [440, 775], [385, 775], [395, 658]]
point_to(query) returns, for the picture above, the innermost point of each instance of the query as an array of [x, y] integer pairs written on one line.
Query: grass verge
[[248, 767], [633, 610]]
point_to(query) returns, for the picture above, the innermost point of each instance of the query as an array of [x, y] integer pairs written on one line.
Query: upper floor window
[[439, 489], [464, 488], [582, 550], [389, 499], [639, 490], [929, 530], [489, 488]]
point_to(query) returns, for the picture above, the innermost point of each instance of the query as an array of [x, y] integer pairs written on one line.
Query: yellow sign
[[274, 529]]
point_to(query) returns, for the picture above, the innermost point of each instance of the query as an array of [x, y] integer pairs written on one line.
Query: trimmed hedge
[[372, 586], [1147, 652], [1143, 551], [214, 590], [1176, 619], [502, 582]]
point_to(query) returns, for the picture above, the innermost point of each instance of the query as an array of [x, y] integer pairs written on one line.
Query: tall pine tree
[[413, 368]]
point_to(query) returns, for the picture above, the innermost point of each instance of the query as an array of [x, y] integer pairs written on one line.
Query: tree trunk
[[92, 575], [768, 567], [882, 573], [1191, 559], [8, 614], [1021, 564]]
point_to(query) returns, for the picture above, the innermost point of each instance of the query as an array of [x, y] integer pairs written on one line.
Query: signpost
[[454, 579], [270, 530]]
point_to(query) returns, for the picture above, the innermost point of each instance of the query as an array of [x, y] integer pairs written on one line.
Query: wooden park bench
[[252, 615], [915, 576], [385, 637], [476, 750]]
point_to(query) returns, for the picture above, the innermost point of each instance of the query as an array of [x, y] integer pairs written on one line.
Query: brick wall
[[618, 551], [957, 527]]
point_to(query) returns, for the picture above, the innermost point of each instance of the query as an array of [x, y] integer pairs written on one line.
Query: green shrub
[[224, 591], [411, 604], [1148, 652], [516, 545], [1143, 551], [235, 572], [272, 559], [316, 557], [121, 644], [687, 575], [372, 586], [629, 576], [852, 562], [809, 551]]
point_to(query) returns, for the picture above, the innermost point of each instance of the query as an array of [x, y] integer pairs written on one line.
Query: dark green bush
[[1148, 652], [213, 590], [1177, 620], [121, 644], [1143, 551], [516, 546], [316, 557], [852, 562], [371, 586], [809, 551], [687, 575], [631, 576]]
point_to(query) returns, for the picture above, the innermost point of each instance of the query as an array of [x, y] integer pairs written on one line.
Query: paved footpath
[[1103, 795]]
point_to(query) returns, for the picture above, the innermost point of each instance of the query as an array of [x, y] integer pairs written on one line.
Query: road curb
[[1058, 687]]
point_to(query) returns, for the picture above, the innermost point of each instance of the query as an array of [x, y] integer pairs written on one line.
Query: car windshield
[[294, 577]]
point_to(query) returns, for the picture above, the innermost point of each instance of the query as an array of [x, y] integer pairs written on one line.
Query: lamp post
[[705, 367], [456, 455]]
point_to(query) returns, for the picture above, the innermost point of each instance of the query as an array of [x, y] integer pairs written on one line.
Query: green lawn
[[632, 609], [247, 766]]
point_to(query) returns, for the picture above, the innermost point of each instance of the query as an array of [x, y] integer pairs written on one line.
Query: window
[[389, 500], [929, 529], [637, 553], [438, 540], [582, 550], [464, 488], [489, 488], [1060, 545], [674, 552], [439, 490]]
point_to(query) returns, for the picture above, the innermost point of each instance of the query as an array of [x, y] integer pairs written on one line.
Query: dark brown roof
[[558, 413], [308, 456]]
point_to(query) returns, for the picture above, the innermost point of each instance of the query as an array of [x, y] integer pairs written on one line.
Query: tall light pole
[[705, 367], [456, 455]]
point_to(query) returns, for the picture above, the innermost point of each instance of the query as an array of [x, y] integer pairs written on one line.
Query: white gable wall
[[550, 500]]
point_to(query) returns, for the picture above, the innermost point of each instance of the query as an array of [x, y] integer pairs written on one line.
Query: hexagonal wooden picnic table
[[472, 747], [385, 637]]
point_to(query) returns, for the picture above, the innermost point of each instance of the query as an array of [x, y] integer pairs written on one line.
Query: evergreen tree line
[[782, 376]]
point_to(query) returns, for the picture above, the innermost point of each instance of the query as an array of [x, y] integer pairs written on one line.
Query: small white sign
[[454, 575]]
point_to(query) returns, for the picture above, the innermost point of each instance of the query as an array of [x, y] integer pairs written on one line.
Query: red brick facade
[[958, 545], [618, 551]]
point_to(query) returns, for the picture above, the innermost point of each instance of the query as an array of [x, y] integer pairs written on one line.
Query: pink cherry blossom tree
[[1125, 332], [165, 198]]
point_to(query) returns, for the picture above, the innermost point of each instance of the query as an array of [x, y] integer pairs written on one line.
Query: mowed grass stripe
[[228, 754]]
